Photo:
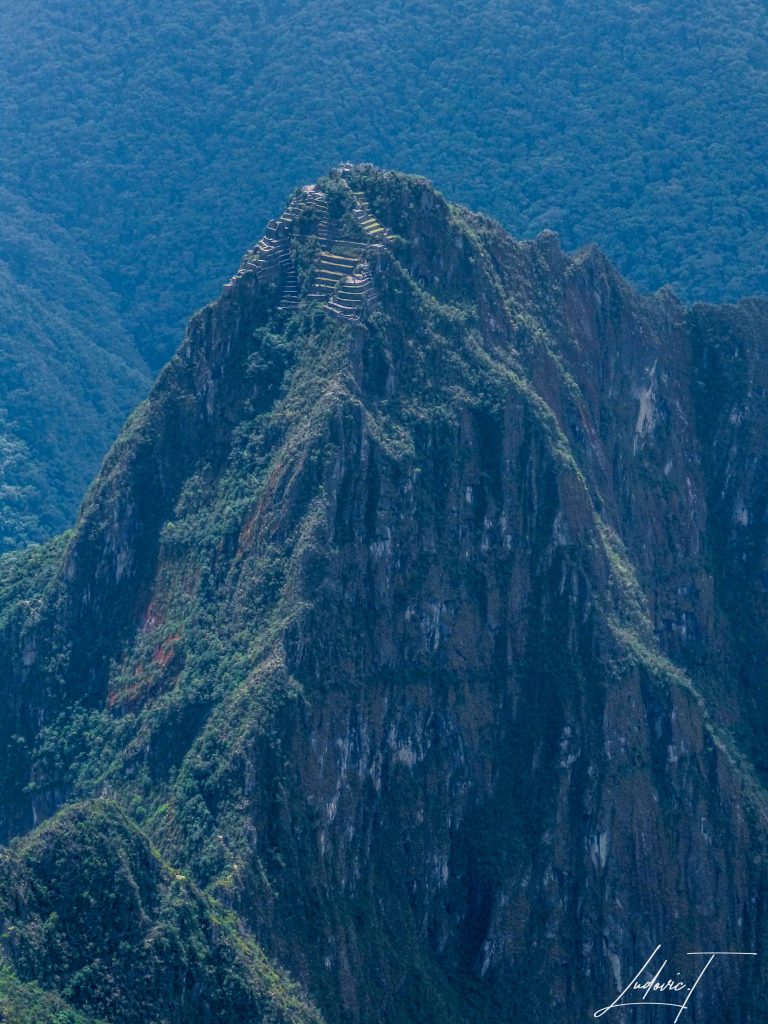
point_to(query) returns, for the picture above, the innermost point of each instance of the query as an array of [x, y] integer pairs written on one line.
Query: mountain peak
[[322, 247], [406, 621]]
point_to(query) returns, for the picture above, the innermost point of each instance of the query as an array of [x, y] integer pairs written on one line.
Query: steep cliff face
[[418, 619]]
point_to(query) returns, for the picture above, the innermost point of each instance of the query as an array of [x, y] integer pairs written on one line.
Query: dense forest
[[144, 145], [68, 373]]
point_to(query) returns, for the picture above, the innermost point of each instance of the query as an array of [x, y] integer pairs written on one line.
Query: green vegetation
[[29, 1004], [143, 149], [89, 908], [69, 374], [354, 656]]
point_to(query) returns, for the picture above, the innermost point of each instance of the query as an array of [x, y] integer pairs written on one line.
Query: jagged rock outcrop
[[426, 635]]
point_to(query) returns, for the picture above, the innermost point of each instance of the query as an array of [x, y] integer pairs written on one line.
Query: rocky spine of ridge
[[424, 632]]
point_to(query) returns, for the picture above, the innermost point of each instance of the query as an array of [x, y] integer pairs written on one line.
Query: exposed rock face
[[426, 631]]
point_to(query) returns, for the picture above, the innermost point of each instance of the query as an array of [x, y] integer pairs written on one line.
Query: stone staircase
[[290, 296], [332, 268], [342, 279], [372, 227], [354, 291], [317, 201]]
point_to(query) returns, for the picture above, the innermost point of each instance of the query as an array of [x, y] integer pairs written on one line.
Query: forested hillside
[[151, 140], [406, 663], [69, 373]]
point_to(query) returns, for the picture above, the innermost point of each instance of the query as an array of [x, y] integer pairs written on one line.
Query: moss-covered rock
[[410, 638]]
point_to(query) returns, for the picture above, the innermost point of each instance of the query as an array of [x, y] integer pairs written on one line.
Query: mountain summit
[[410, 645]]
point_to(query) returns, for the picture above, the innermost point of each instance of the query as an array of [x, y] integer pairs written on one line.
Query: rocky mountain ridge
[[417, 619]]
